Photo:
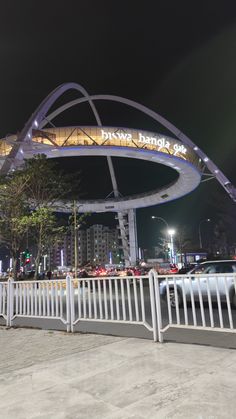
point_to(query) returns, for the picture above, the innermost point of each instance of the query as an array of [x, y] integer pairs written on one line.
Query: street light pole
[[165, 222], [76, 237], [171, 233], [199, 231]]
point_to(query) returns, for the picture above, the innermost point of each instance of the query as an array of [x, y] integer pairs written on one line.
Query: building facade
[[97, 245]]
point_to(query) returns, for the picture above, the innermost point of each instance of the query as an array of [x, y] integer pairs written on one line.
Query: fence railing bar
[[129, 299], [1, 299], [168, 301], [185, 302], [192, 302], [35, 299], [100, 300], [94, 301], [20, 292], [84, 301], [176, 302], [210, 303], [89, 301], [201, 303], [105, 299], [228, 304], [48, 303], [142, 300], [136, 300], [17, 298], [111, 299], [117, 300], [123, 299], [40, 298], [219, 303], [31, 299], [56, 298], [25, 296], [79, 288]]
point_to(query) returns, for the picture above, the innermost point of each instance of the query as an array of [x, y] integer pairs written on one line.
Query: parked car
[[209, 268]]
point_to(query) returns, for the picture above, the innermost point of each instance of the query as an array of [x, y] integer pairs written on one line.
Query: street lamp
[[76, 227], [168, 230], [171, 233], [165, 222], [207, 220]]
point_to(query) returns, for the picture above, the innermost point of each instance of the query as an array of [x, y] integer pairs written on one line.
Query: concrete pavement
[[47, 374]]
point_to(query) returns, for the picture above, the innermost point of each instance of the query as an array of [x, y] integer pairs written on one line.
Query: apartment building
[[97, 245]]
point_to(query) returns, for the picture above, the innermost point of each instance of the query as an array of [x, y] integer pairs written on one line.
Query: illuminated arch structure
[[179, 153]]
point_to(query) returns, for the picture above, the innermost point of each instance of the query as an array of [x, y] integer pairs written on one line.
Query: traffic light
[[26, 257]]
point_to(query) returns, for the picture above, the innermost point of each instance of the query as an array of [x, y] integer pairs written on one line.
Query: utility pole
[[75, 239]]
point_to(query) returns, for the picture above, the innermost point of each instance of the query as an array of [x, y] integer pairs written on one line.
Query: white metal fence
[[115, 300], [3, 300], [155, 302], [206, 301]]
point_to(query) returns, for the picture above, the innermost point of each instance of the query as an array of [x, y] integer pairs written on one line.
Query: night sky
[[176, 57]]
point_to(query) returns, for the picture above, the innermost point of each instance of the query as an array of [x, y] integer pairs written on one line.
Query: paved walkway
[[57, 375]]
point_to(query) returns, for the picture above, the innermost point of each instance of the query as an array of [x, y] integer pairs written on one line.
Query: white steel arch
[[214, 170]]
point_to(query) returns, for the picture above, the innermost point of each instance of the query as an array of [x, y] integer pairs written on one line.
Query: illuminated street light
[[167, 226], [171, 233], [207, 220]]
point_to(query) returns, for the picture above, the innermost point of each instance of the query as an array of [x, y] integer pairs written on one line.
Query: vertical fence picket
[[228, 304], [176, 302], [105, 298], [201, 303], [192, 302], [35, 299], [79, 299], [219, 303], [56, 298], [1, 287], [111, 300], [168, 301], [48, 300], [40, 299], [142, 300], [17, 298], [117, 300], [185, 302], [100, 300], [123, 299], [84, 301], [89, 300], [136, 300], [94, 300], [61, 299]]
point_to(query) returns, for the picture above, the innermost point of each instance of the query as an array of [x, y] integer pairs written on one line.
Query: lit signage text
[[160, 143]]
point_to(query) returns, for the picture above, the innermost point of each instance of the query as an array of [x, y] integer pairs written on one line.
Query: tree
[[46, 184], [26, 205], [13, 209], [45, 231]]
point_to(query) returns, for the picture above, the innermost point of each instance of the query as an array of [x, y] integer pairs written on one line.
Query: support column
[[133, 244]]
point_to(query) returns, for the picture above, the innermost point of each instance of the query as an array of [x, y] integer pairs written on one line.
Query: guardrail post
[[10, 299], [72, 305], [68, 304], [158, 306], [153, 307]]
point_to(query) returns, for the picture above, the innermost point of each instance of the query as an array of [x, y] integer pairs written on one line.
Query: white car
[[192, 280]]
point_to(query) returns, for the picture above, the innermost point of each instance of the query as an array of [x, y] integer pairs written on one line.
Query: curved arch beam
[[216, 172], [36, 118]]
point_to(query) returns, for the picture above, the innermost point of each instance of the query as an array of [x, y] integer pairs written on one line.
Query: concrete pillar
[[133, 243]]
